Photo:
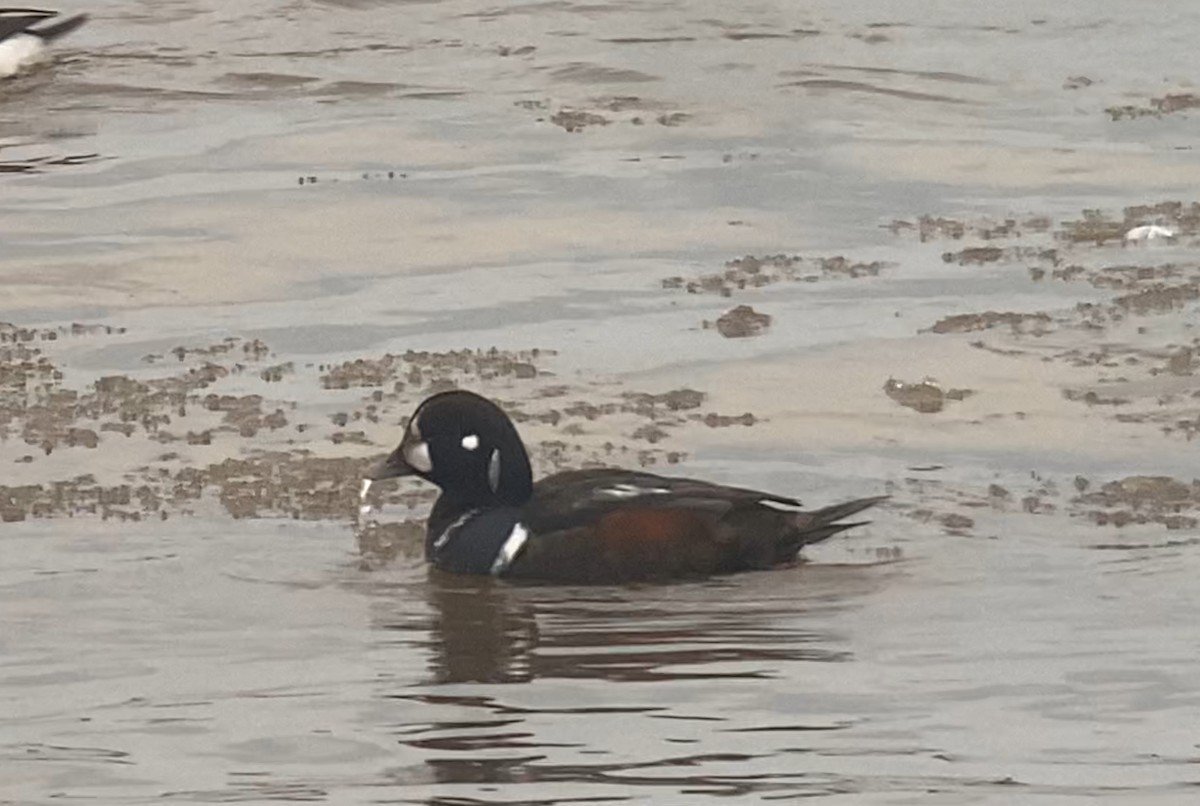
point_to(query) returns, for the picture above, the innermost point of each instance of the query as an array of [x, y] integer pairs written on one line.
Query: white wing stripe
[[779, 505], [629, 491]]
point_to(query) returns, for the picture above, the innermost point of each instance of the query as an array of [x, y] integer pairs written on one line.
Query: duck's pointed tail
[[822, 524], [51, 32]]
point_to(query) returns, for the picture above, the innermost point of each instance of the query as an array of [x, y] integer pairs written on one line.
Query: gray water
[[157, 179]]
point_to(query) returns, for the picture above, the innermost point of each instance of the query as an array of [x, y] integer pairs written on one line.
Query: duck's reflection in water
[[479, 633], [479, 630], [651, 674]]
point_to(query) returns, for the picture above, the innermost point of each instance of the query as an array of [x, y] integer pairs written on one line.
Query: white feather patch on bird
[[449, 531], [511, 548], [629, 491], [782, 506], [494, 471], [417, 455], [470, 442]]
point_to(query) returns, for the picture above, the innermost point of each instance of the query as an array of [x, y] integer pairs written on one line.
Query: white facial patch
[[470, 442], [511, 548], [622, 491], [417, 456]]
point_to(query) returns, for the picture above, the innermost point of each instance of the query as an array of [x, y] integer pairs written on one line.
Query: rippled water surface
[[314, 184]]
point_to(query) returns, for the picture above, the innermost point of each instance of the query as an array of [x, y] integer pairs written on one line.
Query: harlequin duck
[[21, 44], [585, 526]]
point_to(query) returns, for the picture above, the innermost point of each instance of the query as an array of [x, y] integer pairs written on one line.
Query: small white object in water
[[365, 509], [1149, 232], [18, 52]]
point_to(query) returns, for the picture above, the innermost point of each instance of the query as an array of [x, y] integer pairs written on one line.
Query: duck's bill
[[393, 467]]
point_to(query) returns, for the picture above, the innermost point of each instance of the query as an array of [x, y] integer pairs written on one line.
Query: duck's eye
[[470, 441], [417, 456]]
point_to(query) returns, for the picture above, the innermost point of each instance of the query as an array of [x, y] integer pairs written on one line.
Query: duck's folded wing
[[603, 526], [566, 499]]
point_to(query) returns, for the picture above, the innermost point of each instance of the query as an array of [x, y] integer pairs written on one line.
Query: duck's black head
[[466, 445]]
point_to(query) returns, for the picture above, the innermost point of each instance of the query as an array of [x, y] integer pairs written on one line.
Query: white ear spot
[[415, 430], [417, 456], [470, 441], [494, 471]]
